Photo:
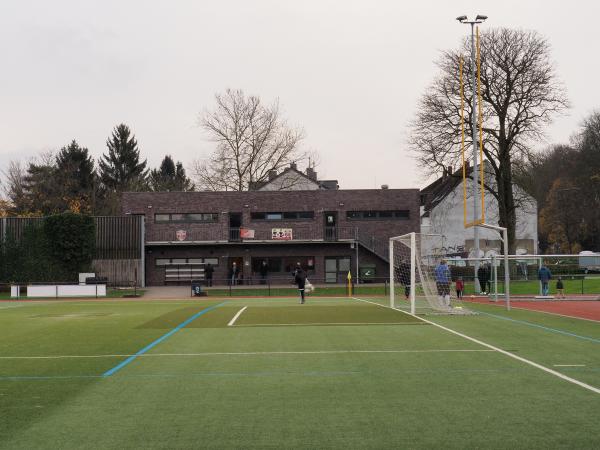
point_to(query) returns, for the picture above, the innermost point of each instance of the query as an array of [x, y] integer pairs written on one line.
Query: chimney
[[293, 166], [310, 173], [384, 186], [449, 170], [444, 172], [272, 175]]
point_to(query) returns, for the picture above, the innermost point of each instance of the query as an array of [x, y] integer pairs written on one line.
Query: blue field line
[[535, 325], [119, 366]]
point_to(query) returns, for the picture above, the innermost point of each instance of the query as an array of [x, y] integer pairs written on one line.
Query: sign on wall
[[181, 235], [281, 234], [246, 233]]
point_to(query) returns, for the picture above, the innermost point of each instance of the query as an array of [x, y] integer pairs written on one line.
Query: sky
[[349, 72]]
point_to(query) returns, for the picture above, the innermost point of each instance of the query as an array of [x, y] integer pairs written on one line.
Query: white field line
[[569, 365], [504, 352], [316, 352], [324, 323], [239, 313]]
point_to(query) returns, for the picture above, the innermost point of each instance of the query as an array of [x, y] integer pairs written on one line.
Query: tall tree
[[520, 95], [170, 177], [252, 139], [14, 188], [75, 174], [120, 168]]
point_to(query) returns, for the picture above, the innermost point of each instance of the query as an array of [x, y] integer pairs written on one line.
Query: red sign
[[181, 235], [245, 233]]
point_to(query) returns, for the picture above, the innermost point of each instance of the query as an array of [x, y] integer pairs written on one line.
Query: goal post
[[418, 282]]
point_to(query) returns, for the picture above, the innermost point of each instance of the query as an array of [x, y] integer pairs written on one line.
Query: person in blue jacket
[[544, 275], [443, 279]]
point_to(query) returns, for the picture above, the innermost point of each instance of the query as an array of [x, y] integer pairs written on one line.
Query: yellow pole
[[349, 284]]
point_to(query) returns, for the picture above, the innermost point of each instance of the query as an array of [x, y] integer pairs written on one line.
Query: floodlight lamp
[[461, 18], [480, 17]]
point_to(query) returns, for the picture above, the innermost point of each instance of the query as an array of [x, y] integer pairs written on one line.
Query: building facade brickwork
[[183, 228]]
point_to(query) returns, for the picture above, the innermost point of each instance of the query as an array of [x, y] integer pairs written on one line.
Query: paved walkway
[[167, 292]]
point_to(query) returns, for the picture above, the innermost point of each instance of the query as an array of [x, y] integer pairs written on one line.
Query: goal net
[[420, 280]]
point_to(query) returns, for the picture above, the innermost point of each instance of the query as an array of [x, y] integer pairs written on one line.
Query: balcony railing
[[230, 234]]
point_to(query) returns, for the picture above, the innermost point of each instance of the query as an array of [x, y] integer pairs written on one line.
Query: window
[[162, 262], [402, 214], [336, 269], [187, 217], [285, 215]]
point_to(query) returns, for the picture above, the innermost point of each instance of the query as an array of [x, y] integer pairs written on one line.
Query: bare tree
[[520, 95], [252, 139]]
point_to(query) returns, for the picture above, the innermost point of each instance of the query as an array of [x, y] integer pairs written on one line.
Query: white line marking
[[569, 365], [316, 352], [326, 324], [504, 352], [239, 313]]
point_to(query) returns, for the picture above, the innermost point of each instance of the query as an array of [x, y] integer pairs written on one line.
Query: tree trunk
[[506, 202]]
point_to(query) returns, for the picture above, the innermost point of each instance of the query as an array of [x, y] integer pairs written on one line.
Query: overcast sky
[[349, 72]]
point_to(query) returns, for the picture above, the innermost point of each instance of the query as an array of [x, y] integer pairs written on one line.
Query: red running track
[[572, 308]]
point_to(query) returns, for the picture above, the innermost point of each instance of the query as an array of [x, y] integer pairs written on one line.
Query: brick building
[[326, 230]]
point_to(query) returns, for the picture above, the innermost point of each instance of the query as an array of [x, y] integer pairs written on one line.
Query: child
[[460, 286], [560, 289]]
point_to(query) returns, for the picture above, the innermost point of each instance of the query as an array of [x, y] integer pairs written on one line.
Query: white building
[[442, 213]]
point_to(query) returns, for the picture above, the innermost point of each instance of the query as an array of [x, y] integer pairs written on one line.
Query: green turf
[[354, 385]]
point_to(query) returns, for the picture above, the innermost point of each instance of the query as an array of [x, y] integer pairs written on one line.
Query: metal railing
[[238, 234]]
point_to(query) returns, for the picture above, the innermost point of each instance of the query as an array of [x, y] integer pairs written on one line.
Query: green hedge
[[55, 249]]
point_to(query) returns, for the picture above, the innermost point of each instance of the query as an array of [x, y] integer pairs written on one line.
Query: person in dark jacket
[[544, 275], [300, 280], [208, 274], [484, 276], [234, 272], [264, 272]]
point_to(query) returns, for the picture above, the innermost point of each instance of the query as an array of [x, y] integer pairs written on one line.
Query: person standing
[[484, 276], [264, 272], [443, 278], [300, 280], [560, 288], [544, 275], [233, 273], [208, 274], [460, 287]]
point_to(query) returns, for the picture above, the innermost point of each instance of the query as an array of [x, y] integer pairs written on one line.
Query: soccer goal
[[414, 286]]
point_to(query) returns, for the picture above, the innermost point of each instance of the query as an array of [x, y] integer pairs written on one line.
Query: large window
[[285, 215], [187, 217], [336, 269], [400, 214], [161, 262]]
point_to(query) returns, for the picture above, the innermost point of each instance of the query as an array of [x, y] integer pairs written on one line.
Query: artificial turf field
[[333, 373]]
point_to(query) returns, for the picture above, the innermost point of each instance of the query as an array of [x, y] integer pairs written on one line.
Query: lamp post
[[479, 19]]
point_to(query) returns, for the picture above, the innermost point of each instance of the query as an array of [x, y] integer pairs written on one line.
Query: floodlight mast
[[478, 19]]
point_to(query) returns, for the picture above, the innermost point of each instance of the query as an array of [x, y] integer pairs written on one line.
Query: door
[[330, 231], [336, 269], [235, 223]]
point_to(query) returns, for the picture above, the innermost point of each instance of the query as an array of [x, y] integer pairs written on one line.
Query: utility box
[[367, 273], [197, 289]]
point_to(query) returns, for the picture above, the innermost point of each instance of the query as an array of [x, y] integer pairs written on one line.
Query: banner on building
[[281, 234], [246, 233], [181, 235]]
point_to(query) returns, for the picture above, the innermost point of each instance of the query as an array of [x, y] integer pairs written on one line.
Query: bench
[[188, 272]]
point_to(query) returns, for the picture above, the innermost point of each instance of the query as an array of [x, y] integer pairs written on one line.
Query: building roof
[[309, 177], [437, 191]]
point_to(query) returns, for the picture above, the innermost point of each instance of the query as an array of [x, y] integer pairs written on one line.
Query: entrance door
[[235, 223], [239, 263], [336, 269], [330, 231]]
